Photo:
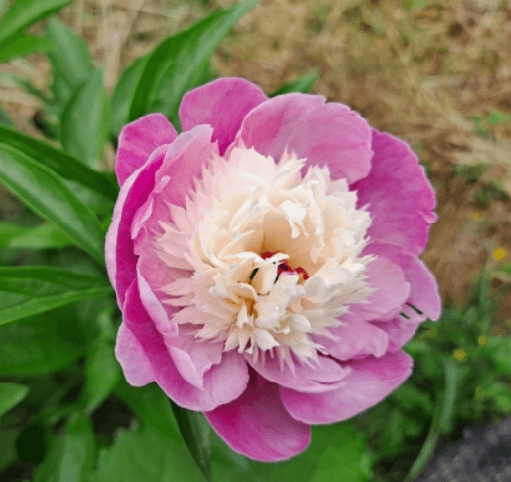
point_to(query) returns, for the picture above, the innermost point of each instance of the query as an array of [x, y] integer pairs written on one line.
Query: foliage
[[66, 412]]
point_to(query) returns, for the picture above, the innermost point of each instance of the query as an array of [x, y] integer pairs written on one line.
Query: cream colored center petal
[[276, 257]]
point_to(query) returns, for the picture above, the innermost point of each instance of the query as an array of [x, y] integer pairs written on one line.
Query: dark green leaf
[[144, 454], [27, 12], [102, 373], [303, 84], [173, 65], [71, 61], [195, 431], [63, 164], [21, 45], [42, 236], [10, 395], [27, 290], [123, 93], [46, 194], [7, 446], [152, 406], [85, 122], [41, 344]]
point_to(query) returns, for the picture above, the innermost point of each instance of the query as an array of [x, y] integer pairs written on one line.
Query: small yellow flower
[[499, 254], [459, 354], [476, 215], [482, 340], [431, 332]]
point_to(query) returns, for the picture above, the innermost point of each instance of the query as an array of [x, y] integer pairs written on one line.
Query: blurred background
[[435, 73]]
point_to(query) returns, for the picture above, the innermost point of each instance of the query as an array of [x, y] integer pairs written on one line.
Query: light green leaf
[[143, 454], [42, 236], [43, 191], [60, 162], [21, 45], [303, 84], [123, 93], [71, 61], [496, 117], [153, 407], [195, 431], [102, 373], [85, 121], [173, 65], [24, 13], [5, 119], [41, 344], [72, 454], [27, 290], [10, 395], [78, 454]]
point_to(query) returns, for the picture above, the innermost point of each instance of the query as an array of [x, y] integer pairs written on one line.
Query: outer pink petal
[[119, 250], [134, 363], [326, 376], [399, 194], [138, 140], [357, 338], [371, 380], [222, 383], [222, 104], [424, 295], [326, 134], [258, 426], [392, 288]]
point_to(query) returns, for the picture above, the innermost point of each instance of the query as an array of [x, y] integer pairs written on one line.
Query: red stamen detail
[[284, 266], [268, 254]]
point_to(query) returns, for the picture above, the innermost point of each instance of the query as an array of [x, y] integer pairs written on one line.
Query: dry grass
[[421, 74]]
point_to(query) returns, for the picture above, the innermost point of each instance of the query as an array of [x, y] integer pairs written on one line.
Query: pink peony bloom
[[266, 262]]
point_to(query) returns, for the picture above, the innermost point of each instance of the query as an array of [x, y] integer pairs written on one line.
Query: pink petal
[[326, 134], [371, 380], [138, 140], [221, 384], [326, 376], [358, 338], [222, 103], [399, 194], [134, 363], [392, 288], [119, 250], [424, 292], [258, 426], [193, 358]]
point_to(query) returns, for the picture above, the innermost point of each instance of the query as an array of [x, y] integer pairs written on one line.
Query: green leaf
[[412, 4], [5, 120], [123, 93], [102, 373], [21, 45], [41, 344], [496, 117], [173, 65], [303, 84], [24, 13], [195, 431], [7, 446], [78, 453], [43, 191], [42, 236], [143, 454], [152, 406], [72, 456], [27, 290], [60, 162], [71, 61], [85, 121], [10, 395]]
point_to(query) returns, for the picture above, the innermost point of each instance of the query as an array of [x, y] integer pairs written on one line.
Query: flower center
[[309, 234]]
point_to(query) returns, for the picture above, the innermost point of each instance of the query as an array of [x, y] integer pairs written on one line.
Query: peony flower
[[265, 261]]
